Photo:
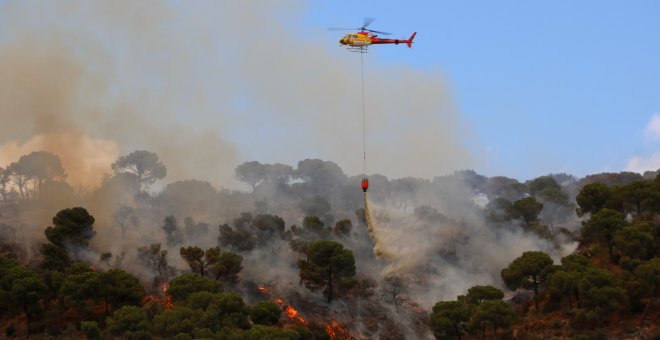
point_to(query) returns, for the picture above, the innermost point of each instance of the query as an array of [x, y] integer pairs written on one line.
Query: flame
[[289, 311], [167, 301], [336, 331], [292, 314]]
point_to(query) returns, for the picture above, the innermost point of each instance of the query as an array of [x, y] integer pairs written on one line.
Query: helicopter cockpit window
[[354, 36]]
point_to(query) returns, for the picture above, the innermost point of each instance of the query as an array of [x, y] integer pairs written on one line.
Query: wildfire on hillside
[[166, 300], [333, 329], [336, 331]]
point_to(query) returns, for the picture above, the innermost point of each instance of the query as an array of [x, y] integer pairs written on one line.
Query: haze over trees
[[292, 258]]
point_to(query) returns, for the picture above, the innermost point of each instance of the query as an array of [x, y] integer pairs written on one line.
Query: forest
[[299, 254]]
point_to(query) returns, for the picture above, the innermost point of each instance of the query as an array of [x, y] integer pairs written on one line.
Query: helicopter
[[360, 40]]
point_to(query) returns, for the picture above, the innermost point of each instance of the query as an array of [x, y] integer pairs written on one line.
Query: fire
[[336, 331], [167, 298], [289, 311], [292, 314]]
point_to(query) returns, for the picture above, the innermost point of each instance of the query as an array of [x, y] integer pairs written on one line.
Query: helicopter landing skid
[[358, 49]]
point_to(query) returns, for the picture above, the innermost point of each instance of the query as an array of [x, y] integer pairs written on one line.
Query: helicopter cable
[[364, 130]]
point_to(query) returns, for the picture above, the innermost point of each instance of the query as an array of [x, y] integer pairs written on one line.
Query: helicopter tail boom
[[410, 40]]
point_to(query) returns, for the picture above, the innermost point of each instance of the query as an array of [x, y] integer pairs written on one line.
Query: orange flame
[[167, 298], [336, 331], [292, 314]]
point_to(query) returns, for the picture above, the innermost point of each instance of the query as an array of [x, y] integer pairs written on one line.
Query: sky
[[509, 88], [555, 86]]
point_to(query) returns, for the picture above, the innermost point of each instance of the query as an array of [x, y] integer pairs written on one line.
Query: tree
[[478, 294], [155, 259], [194, 256], [635, 193], [144, 165], [592, 198], [528, 271], [317, 206], [125, 217], [20, 288], [343, 227], [265, 313], [81, 284], [239, 239], [602, 226], [171, 228], [266, 226], [251, 173], [54, 257], [4, 180], [327, 263], [448, 319], [71, 227], [183, 285], [91, 330], [649, 274], [314, 225], [528, 209], [225, 265], [636, 241], [565, 279], [118, 288], [129, 322], [600, 295], [494, 312]]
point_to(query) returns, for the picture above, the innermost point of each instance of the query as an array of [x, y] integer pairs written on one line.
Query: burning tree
[[327, 264]]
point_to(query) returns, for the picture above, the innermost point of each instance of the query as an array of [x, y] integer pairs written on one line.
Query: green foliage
[[326, 265], [118, 288], [343, 227], [258, 332], [144, 165], [21, 289], [239, 239], [314, 226], [171, 228], [91, 330], [528, 209], [495, 313], [194, 256], [478, 294], [128, 322], [226, 266], [55, 257], [602, 226], [449, 319], [635, 241], [180, 319], [592, 198], [267, 226], [528, 271], [265, 313], [71, 227], [182, 286], [80, 285], [600, 295], [155, 259]]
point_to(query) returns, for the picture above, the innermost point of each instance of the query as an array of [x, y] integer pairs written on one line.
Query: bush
[[91, 329]]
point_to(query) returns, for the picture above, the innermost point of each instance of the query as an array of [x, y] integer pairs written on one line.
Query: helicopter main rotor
[[365, 24]]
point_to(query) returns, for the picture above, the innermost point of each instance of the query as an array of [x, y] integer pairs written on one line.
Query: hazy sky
[[507, 88]]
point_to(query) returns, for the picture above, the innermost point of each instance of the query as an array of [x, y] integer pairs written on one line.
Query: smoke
[[371, 227], [207, 85]]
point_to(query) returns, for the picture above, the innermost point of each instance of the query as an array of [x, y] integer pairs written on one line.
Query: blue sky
[[561, 86]]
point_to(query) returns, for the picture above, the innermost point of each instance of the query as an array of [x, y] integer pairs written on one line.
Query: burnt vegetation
[[290, 257]]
